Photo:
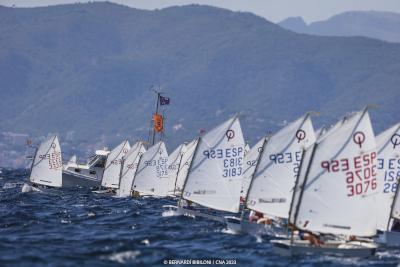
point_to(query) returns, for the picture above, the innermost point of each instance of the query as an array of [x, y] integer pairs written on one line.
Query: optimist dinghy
[[47, 167], [47, 164], [111, 175], [178, 175], [335, 192], [272, 167], [388, 214], [215, 173], [174, 162], [151, 177], [129, 169]]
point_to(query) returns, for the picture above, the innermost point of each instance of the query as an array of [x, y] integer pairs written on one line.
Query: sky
[[272, 10]]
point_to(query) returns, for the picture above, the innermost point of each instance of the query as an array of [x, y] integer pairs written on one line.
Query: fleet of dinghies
[[329, 191]]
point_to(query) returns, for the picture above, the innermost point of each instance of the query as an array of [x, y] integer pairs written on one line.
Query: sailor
[[254, 216], [314, 239], [311, 237], [265, 220], [189, 205]]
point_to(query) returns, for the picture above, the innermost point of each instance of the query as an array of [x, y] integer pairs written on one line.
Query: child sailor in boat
[[260, 218]]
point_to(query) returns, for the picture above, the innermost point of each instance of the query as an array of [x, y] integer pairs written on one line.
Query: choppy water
[[81, 228]]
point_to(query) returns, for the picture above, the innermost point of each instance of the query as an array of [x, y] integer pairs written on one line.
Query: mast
[[302, 191], [190, 166], [154, 130], [255, 171], [121, 171], [138, 164], [392, 207], [177, 173], [296, 183]]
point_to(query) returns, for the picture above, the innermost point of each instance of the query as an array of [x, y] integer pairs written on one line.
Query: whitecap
[[146, 242], [123, 257], [9, 185], [228, 231], [26, 188]]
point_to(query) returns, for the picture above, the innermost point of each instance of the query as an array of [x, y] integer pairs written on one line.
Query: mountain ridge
[[85, 70], [382, 25]]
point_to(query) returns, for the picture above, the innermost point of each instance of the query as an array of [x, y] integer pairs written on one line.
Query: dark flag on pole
[[164, 100]]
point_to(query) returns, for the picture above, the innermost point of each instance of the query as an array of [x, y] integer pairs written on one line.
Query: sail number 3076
[[360, 172]]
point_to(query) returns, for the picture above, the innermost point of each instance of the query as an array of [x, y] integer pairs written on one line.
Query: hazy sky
[[273, 10]]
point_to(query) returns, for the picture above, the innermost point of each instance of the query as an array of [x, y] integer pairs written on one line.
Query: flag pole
[[154, 130]]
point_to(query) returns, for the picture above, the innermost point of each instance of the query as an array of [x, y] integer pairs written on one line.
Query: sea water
[[76, 227]]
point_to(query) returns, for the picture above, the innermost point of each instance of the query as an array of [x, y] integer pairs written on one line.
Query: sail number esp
[[360, 172], [232, 159]]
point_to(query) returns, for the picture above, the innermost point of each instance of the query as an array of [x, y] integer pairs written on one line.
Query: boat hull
[[339, 248], [171, 210], [239, 226], [389, 238], [70, 179]]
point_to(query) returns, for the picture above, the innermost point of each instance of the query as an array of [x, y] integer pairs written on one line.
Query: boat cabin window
[[101, 163], [77, 170], [92, 172]]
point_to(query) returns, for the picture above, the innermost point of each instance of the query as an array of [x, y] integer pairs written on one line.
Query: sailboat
[[151, 177], [178, 175], [129, 168], [388, 214], [274, 164], [215, 173], [335, 193], [47, 163], [174, 162], [47, 166], [250, 162], [111, 174], [71, 163]]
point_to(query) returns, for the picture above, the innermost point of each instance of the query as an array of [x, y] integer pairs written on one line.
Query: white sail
[[305, 160], [152, 175], [396, 207], [47, 164], [215, 175], [71, 163], [174, 161], [340, 184], [388, 146], [129, 167], [249, 166], [113, 165], [272, 186], [187, 158], [246, 149]]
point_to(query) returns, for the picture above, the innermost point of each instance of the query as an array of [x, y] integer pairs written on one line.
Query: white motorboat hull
[[239, 226], [389, 238], [71, 179], [171, 210], [340, 248]]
